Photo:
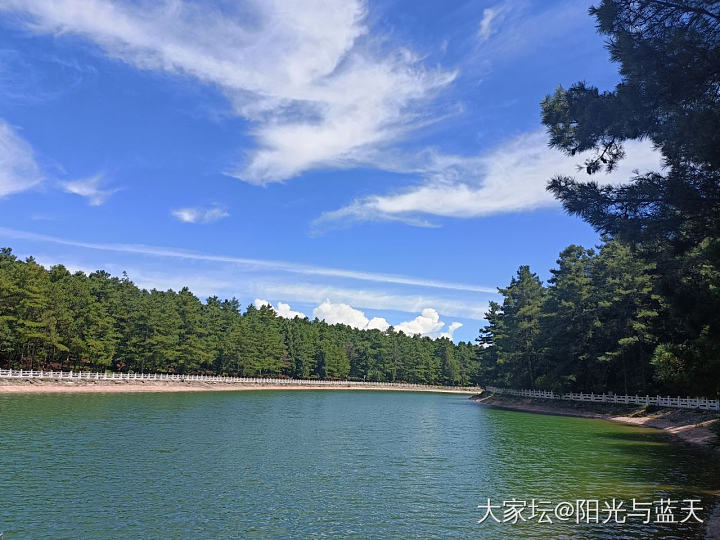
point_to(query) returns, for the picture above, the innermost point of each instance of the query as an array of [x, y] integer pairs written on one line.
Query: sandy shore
[[41, 386]]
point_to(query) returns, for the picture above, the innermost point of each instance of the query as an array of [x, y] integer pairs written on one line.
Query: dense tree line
[[595, 326], [55, 319], [643, 313]]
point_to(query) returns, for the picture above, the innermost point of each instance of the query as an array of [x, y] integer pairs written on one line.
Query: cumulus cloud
[[378, 323], [345, 314], [428, 323], [451, 330], [318, 90], [90, 188], [509, 178], [200, 215], [424, 324], [18, 169], [282, 310]]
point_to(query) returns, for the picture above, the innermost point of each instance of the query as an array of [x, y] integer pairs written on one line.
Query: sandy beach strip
[[43, 386]]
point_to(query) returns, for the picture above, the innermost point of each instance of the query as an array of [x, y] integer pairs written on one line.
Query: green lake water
[[327, 463]]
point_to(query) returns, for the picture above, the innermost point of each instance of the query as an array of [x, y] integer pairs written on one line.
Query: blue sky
[[371, 163]]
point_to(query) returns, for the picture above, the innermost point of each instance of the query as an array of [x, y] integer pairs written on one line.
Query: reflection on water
[[348, 464]]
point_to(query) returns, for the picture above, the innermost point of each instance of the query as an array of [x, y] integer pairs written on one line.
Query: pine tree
[[669, 59], [569, 321], [450, 365], [192, 347], [628, 309], [514, 328]]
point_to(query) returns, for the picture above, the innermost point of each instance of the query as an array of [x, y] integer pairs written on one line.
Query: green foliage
[[597, 326], [52, 319], [656, 297], [512, 333]]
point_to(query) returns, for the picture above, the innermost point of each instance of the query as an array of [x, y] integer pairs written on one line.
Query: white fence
[[676, 402], [97, 376]]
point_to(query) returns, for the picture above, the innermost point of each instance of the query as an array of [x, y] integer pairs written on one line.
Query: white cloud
[[378, 323], [451, 329], [512, 29], [317, 88], [282, 310], [345, 314], [200, 215], [268, 265], [18, 169], [490, 17], [509, 178], [90, 188], [428, 323]]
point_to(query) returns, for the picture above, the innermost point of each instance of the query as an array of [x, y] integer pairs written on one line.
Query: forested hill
[[54, 319]]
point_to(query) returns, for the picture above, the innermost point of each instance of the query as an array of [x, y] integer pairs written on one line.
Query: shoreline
[[689, 425], [44, 386]]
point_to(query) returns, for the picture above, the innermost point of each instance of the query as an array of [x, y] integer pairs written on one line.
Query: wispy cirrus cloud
[[19, 171], [510, 29], [488, 23], [199, 214], [261, 264], [91, 188], [509, 178], [317, 87]]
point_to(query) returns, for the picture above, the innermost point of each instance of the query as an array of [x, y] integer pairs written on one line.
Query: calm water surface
[[329, 464]]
